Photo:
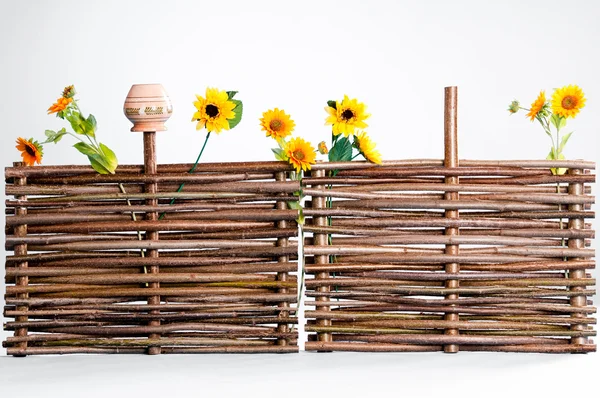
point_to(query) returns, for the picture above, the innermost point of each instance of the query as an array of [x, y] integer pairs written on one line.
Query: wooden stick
[[150, 168], [232, 167], [21, 250], [576, 301]]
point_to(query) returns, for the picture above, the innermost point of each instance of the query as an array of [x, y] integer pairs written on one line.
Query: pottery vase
[[148, 107]]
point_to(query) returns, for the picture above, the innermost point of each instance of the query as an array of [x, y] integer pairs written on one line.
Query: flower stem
[[190, 171], [134, 218]]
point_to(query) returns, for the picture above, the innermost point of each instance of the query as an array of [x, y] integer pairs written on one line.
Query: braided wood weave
[[431, 255], [106, 264]]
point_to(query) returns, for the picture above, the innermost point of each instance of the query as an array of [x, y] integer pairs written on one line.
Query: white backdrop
[[396, 56]]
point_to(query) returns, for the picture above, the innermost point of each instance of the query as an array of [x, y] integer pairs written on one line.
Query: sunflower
[[538, 106], [567, 101], [366, 147], [60, 105], [347, 116], [31, 151], [277, 123], [69, 91], [300, 154], [214, 111]]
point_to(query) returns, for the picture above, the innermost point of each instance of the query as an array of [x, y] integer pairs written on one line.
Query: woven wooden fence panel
[[415, 256], [111, 264]]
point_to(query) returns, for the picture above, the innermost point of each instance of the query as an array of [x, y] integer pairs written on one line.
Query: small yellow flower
[[214, 111], [60, 105], [300, 154], [537, 106], [366, 147], [31, 151], [323, 148], [347, 116], [277, 124], [567, 101]]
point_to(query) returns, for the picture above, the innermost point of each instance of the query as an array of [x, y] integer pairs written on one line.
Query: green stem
[[190, 171], [134, 218], [329, 204], [302, 270]]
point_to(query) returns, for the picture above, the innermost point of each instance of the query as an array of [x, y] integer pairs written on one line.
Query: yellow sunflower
[[300, 154], [214, 111], [537, 106], [366, 147], [567, 101], [277, 124], [31, 151], [347, 116], [60, 105]]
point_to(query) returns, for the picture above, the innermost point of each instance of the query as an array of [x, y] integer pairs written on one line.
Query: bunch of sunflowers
[[101, 157], [566, 102]]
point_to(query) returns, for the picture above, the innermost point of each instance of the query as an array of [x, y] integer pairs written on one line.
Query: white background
[[396, 56]]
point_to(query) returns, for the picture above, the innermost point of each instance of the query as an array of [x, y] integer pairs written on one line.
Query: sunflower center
[[569, 102], [30, 151], [275, 125], [298, 154], [212, 110], [347, 114]]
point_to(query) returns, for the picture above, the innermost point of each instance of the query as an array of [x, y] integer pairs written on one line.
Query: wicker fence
[[448, 255], [402, 261], [412, 255], [94, 272]]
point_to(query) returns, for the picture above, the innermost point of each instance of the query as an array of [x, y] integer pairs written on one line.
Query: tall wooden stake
[[149, 169], [451, 161]]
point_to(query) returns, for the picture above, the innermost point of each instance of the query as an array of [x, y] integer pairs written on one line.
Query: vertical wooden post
[[21, 250], [282, 276], [320, 202], [577, 223], [150, 167], [451, 161]]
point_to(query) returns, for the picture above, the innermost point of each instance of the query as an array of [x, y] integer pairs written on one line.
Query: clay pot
[[148, 107]]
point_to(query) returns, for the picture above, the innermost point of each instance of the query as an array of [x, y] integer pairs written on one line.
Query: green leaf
[[92, 121], [76, 121], [332, 104], [54, 136], [294, 205], [558, 121], [89, 126], [563, 122], [563, 142], [109, 157], [341, 151], [239, 109], [86, 149], [280, 154], [231, 94], [98, 164]]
